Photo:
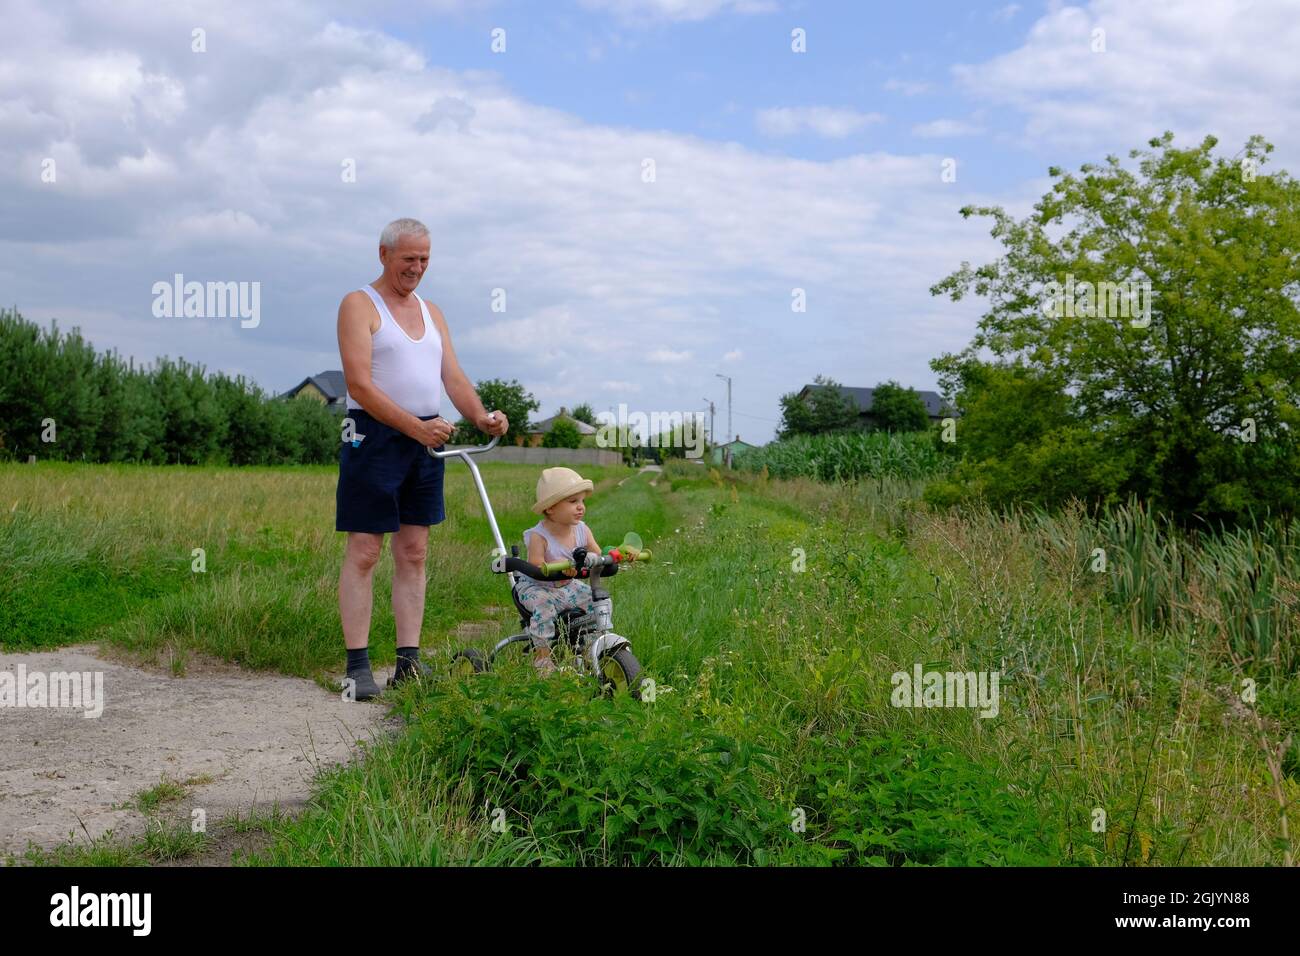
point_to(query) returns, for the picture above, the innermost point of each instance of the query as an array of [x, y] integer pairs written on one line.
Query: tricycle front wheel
[[467, 663], [620, 672]]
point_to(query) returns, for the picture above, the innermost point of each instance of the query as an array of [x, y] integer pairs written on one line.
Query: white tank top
[[407, 370]]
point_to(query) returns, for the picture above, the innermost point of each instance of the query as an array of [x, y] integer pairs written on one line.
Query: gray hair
[[395, 230]]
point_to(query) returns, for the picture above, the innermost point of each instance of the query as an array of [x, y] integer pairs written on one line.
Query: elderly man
[[397, 355]]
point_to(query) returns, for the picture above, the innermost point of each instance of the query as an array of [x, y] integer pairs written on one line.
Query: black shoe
[[417, 671], [366, 688]]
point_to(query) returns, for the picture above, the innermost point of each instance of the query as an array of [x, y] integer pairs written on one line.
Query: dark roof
[[935, 406], [545, 424], [331, 384]]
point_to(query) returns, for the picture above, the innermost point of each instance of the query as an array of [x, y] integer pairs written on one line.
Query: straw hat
[[556, 484]]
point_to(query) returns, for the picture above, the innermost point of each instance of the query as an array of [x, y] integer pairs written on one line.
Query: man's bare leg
[[409, 546], [356, 587]]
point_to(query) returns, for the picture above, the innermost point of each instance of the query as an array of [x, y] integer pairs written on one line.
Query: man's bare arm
[[355, 312]]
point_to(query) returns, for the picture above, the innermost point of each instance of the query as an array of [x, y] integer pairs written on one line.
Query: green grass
[[772, 618], [107, 552], [167, 791]]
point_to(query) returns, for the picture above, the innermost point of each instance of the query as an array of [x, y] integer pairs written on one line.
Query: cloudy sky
[[269, 142]]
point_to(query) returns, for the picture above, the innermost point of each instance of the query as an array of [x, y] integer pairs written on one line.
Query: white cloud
[[735, 355], [225, 224], [668, 356], [1003, 14], [548, 335], [1214, 66], [945, 128], [831, 122]]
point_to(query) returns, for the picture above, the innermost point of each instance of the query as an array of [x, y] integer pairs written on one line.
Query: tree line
[[64, 400]]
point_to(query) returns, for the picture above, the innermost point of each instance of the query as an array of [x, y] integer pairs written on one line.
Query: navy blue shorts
[[386, 479]]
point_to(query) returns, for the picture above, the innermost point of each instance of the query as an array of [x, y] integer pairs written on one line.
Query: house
[[719, 454], [328, 388], [935, 407], [537, 431]]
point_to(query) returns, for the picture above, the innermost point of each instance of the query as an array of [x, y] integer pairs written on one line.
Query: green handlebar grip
[[551, 567]]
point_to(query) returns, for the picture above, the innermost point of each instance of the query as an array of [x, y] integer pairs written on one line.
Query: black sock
[[407, 658], [358, 660]]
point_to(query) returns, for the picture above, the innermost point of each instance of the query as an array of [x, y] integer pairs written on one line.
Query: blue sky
[[774, 170], [710, 77]]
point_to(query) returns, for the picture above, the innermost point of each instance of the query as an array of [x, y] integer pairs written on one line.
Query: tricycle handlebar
[[520, 566], [476, 450]]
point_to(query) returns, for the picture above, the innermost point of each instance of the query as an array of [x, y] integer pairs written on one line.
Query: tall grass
[[1245, 582]]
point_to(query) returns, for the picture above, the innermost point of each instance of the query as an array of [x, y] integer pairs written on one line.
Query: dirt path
[[257, 737]]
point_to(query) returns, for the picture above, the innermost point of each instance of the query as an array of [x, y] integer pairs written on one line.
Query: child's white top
[[554, 550]]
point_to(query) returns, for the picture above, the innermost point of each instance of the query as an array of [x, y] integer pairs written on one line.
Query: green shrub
[[909, 800], [625, 782], [563, 434]]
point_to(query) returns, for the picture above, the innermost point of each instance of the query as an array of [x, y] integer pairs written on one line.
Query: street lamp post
[[727, 379]]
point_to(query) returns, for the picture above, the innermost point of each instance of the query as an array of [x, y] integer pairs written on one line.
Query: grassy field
[[772, 620], [108, 552]]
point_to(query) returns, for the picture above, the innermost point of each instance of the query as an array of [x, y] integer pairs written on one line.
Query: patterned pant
[[547, 602]]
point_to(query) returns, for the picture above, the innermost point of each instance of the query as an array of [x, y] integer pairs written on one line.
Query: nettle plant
[[618, 781]]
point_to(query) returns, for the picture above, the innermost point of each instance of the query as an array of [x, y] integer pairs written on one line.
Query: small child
[[561, 493]]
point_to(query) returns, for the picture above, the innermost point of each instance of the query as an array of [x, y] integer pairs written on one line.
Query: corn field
[[849, 456]]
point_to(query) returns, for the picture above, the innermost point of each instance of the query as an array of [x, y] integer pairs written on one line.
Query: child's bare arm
[[536, 550], [592, 545]]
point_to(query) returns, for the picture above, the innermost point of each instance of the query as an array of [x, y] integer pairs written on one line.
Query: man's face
[[404, 266]]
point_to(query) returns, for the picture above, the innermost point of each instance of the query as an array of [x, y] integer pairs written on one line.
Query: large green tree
[[1170, 378], [828, 408], [512, 398], [898, 409]]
